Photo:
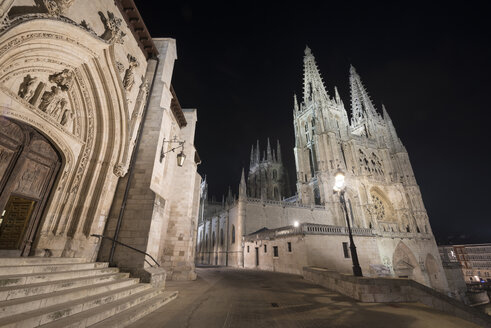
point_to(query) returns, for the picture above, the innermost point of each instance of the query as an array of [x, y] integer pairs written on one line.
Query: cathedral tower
[[382, 187], [267, 176]]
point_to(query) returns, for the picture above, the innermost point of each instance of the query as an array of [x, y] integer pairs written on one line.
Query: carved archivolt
[[67, 87]]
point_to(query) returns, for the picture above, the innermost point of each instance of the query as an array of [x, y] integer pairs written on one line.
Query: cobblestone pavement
[[223, 297]]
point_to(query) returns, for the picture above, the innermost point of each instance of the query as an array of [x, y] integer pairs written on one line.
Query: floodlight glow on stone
[[296, 224], [338, 181]]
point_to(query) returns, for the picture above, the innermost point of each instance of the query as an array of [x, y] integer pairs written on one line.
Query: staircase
[[71, 292]]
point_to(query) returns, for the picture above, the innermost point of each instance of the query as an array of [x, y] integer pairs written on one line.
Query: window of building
[[345, 250], [247, 248], [233, 234], [289, 247], [275, 175], [275, 251], [213, 239], [265, 248], [221, 237]]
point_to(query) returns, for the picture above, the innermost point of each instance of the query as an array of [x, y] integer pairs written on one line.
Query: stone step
[[16, 280], [47, 268], [137, 312], [103, 312], [15, 292], [94, 307], [19, 305], [16, 261]]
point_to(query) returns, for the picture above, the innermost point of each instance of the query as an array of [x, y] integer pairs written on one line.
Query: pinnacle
[[352, 69], [307, 50]]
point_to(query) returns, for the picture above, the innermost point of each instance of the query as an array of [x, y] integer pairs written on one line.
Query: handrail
[[130, 247]]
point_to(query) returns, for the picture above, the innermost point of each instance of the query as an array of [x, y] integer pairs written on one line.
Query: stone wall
[[392, 290]]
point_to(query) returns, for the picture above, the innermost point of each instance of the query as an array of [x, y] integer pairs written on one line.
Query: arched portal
[[29, 165], [405, 263], [433, 273]]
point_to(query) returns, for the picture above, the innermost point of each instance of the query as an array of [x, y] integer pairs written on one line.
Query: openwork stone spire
[[361, 104], [313, 85]]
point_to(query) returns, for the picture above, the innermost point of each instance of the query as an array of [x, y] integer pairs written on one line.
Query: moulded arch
[[97, 144]]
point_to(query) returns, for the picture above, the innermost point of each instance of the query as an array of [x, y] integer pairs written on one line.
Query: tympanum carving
[[27, 87]]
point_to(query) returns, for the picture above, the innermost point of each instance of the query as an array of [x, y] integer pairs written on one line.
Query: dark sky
[[240, 63]]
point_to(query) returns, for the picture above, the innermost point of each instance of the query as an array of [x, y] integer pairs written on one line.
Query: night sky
[[240, 64]]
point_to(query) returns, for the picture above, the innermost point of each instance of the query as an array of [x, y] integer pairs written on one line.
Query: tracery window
[[233, 234], [378, 208]]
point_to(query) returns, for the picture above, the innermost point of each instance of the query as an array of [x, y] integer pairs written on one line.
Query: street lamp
[[180, 157], [340, 188]]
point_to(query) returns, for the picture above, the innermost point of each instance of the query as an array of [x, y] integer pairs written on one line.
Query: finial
[[352, 69], [307, 50]]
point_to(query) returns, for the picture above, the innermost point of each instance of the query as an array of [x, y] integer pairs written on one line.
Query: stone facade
[[80, 80], [382, 195]]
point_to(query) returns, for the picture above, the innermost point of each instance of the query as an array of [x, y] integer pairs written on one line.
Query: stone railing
[[309, 229], [322, 229], [397, 234], [283, 203]]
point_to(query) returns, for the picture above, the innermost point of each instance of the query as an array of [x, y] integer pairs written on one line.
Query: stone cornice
[[176, 109], [135, 22]]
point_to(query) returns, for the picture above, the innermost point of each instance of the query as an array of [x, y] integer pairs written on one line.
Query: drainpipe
[[132, 164]]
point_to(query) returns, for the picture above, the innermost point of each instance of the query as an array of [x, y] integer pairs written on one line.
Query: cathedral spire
[[258, 154], [242, 186], [251, 163], [313, 85], [269, 156], [336, 95], [391, 129], [295, 102], [361, 104], [278, 151]]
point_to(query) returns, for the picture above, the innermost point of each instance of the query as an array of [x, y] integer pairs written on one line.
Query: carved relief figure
[[57, 7], [64, 79], [50, 100], [67, 120], [31, 180], [129, 75], [112, 27], [27, 88]]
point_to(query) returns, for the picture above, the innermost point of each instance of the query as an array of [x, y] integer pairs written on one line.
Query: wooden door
[[28, 168]]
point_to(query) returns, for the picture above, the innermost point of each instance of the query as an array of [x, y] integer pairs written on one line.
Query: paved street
[[223, 297]]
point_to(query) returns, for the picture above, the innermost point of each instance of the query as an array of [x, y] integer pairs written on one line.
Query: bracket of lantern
[[179, 145]]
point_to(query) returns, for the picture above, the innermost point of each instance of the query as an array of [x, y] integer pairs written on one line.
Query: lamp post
[[340, 188]]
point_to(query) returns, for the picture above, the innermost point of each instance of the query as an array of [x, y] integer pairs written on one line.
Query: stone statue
[[112, 27], [56, 110], [57, 7], [50, 99], [129, 75], [26, 88], [67, 120]]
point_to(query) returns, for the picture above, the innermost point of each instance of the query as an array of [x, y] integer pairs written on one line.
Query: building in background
[[391, 227], [474, 260]]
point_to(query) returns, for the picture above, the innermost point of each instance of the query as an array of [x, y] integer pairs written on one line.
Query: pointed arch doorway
[[29, 165]]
